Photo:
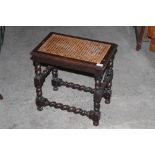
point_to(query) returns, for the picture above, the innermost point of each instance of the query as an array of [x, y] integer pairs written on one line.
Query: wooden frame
[[103, 76]]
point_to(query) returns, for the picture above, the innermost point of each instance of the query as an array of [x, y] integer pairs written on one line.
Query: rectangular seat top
[[75, 48]]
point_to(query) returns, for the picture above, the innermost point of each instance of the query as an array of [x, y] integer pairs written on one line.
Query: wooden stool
[[77, 54]]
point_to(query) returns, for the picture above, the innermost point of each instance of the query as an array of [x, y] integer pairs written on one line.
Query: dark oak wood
[[103, 75]]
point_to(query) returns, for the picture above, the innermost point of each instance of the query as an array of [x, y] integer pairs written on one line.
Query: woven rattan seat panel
[[75, 48]]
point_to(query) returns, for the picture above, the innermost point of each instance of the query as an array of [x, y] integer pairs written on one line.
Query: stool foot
[[138, 47], [95, 117], [107, 101], [39, 108], [55, 88], [41, 102], [96, 123]]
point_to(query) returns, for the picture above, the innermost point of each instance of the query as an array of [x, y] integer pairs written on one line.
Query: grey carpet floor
[[133, 100]]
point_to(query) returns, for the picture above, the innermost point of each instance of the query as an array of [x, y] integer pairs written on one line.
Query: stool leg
[[38, 84], [108, 75], [55, 79], [139, 36], [97, 100], [1, 97]]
